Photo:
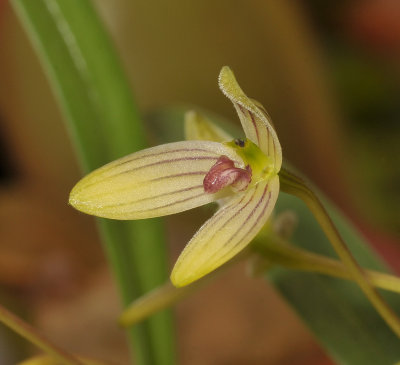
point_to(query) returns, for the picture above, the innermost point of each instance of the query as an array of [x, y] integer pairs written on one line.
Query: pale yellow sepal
[[226, 233], [154, 182], [255, 121], [198, 127]]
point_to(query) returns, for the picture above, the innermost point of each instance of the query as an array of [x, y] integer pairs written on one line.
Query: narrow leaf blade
[[101, 117]]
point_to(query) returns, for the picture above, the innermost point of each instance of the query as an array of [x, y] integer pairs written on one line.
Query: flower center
[[224, 173], [261, 165], [258, 167]]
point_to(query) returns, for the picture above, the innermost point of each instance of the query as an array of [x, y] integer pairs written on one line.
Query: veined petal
[[198, 127], [255, 120], [157, 181], [226, 233]]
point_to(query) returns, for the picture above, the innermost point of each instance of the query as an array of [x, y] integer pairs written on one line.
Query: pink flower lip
[[224, 173]]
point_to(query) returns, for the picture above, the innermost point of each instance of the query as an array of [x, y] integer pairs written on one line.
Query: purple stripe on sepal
[[167, 205], [170, 193], [105, 178], [217, 258], [193, 173], [249, 217], [164, 153]]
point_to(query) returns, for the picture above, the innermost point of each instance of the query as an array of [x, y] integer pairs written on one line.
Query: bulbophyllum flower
[[242, 175]]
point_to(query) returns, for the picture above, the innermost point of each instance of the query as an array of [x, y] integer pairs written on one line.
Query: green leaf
[[104, 124], [336, 311]]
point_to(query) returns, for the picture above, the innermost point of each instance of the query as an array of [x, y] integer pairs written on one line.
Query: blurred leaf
[[96, 99], [336, 311]]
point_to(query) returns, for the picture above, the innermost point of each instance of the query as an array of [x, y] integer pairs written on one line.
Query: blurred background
[[327, 72]]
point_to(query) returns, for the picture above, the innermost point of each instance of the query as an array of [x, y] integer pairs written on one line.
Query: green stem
[[294, 185], [30, 334], [278, 251], [274, 250], [154, 301]]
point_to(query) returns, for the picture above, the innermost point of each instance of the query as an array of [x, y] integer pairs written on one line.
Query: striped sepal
[[226, 233], [154, 182], [255, 120]]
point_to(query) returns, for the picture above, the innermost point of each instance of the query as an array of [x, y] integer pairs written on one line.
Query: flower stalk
[[278, 251], [275, 251]]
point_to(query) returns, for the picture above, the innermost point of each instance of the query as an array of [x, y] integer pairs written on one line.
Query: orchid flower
[[242, 175]]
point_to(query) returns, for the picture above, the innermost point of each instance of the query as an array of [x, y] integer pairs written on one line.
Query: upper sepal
[[198, 127], [255, 120]]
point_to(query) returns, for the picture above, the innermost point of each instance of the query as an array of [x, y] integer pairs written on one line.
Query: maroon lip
[[224, 173]]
